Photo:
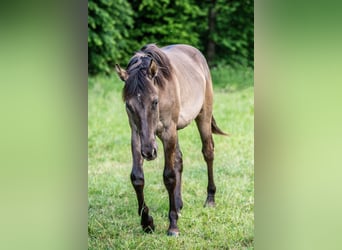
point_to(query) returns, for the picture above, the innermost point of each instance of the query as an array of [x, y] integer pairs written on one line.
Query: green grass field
[[113, 222]]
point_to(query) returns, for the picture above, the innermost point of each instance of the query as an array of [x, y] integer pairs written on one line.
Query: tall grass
[[113, 221]]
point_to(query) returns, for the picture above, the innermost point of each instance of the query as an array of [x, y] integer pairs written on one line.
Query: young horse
[[165, 89]]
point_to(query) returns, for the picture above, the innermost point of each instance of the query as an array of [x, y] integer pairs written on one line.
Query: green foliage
[[234, 35], [167, 22], [108, 33], [118, 28], [233, 31]]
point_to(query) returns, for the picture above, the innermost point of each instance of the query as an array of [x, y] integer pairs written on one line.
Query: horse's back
[[192, 77]]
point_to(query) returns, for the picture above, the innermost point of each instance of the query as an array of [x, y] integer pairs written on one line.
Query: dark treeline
[[221, 29]]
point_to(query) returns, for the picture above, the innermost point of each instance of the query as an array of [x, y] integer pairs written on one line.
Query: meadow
[[113, 221]]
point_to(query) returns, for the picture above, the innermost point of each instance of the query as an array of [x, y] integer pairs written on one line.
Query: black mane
[[137, 70]]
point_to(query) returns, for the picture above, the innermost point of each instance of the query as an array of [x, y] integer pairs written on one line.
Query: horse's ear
[[121, 72], [152, 69]]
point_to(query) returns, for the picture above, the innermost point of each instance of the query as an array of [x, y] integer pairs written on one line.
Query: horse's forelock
[[137, 70], [136, 82]]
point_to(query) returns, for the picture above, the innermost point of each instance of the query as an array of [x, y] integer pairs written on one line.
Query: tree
[[167, 22], [210, 46], [222, 29], [109, 23], [230, 35]]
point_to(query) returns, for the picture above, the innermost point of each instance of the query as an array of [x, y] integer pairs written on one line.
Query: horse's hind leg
[[178, 171], [203, 122]]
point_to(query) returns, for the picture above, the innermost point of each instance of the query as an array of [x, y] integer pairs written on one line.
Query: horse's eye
[[129, 107], [154, 103]]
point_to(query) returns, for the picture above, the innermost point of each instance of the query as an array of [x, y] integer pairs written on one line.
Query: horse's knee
[[137, 180]]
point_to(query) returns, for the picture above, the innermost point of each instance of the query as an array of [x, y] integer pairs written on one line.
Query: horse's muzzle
[[150, 154]]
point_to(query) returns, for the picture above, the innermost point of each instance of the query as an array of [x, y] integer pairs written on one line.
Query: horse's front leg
[[137, 179], [169, 139]]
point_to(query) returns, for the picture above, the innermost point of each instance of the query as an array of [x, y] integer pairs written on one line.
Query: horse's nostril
[[154, 152], [149, 155], [144, 154]]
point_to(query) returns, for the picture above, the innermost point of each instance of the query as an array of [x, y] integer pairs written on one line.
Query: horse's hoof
[[148, 225], [209, 204], [174, 233], [149, 229]]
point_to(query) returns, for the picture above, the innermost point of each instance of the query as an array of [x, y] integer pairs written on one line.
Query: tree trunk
[[211, 30]]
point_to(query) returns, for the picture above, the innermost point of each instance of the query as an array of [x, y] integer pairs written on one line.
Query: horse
[[165, 89]]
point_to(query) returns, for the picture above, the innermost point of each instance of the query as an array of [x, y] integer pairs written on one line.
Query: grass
[[113, 222]]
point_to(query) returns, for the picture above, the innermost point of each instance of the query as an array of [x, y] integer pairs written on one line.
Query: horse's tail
[[215, 129]]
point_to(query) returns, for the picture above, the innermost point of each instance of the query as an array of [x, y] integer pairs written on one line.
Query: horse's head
[[141, 98]]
